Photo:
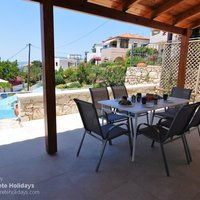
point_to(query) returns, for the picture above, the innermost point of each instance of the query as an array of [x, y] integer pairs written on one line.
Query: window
[[113, 44], [143, 45], [56, 64], [155, 32], [124, 43], [135, 44]]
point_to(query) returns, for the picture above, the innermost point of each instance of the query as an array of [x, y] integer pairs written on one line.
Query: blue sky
[[75, 32]]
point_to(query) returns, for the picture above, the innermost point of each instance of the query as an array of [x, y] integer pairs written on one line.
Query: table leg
[[134, 137], [151, 116]]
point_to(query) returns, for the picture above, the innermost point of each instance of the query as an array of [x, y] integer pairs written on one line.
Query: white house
[[95, 56], [71, 60], [158, 39], [61, 62]]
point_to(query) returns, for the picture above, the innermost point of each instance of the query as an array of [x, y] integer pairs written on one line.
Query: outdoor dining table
[[137, 108]]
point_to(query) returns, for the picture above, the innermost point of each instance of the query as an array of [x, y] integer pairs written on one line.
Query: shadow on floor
[[64, 176]]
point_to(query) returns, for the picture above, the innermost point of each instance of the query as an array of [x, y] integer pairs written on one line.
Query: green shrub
[[74, 85], [61, 86], [70, 74], [4, 85], [114, 75], [59, 79]]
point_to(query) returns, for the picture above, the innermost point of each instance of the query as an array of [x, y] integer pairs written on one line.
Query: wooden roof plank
[[164, 7], [98, 10], [187, 14]]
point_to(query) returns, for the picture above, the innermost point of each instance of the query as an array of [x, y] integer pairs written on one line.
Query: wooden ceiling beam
[[186, 14], [164, 7], [127, 4], [195, 24], [98, 10]]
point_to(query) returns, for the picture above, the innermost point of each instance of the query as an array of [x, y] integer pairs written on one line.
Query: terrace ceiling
[[168, 15]]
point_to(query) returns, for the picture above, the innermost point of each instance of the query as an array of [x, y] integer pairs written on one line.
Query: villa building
[[115, 48]]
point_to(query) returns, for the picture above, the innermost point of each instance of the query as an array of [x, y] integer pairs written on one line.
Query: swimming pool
[[7, 107]]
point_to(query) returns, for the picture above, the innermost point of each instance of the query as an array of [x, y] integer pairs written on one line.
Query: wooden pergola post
[[47, 32], [183, 58]]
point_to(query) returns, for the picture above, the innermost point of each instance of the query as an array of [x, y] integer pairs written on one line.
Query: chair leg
[[164, 159], [198, 130], [187, 148], [81, 144], [101, 156], [110, 142], [152, 144], [147, 118]]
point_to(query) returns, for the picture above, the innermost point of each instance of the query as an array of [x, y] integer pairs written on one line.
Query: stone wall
[[143, 75], [31, 104]]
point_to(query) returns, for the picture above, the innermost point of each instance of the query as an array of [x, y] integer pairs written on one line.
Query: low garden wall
[[143, 75], [31, 104]]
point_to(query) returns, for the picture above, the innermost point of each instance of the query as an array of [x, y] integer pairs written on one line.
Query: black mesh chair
[[194, 123], [92, 126], [98, 94], [119, 91], [177, 92], [176, 131]]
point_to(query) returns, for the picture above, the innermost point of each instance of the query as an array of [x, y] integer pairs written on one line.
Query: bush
[[4, 85], [61, 86], [74, 85], [59, 79], [114, 75], [70, 74]]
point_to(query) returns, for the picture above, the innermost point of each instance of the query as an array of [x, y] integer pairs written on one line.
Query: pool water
[[7, 107]]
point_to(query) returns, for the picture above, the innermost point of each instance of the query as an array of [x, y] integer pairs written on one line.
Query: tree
[[35, 71], [9, 70]]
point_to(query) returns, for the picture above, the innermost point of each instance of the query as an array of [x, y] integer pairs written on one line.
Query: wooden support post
[[183, 58], [47, 32]]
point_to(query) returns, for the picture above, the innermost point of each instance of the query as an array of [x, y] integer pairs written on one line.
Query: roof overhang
[[173, 16]]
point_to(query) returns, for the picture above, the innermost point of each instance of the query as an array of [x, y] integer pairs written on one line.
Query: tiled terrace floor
[[23, 159]]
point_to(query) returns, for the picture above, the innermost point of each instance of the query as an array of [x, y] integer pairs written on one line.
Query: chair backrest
[[119, 91], [181, 120], [195, 121], [182, 93], [89, 116], [98, 94]]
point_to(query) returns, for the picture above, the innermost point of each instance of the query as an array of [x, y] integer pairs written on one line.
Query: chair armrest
[[147, 125], [116, 126], [160, 121]]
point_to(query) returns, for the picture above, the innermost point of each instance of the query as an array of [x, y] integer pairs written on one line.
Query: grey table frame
[[138, 108]]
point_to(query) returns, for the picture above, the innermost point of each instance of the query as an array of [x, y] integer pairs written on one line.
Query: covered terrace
[[175, 16], [62, 176]]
